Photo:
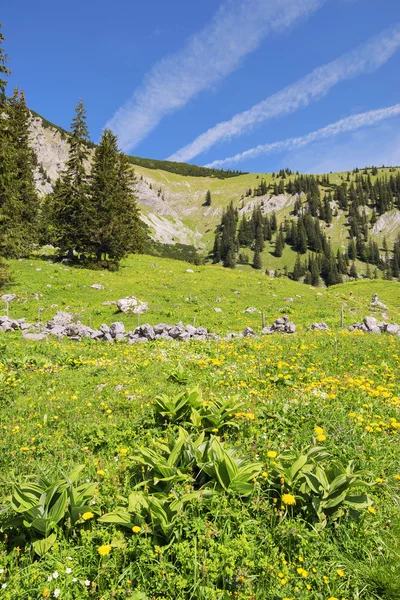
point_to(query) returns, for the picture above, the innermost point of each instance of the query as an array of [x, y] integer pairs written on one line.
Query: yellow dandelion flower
[[340, 572], [101, 472], [321, 437], [87, 515], [318, 430], [104, 550], [371, 510], [136, 529], [264, 474], [46, 593], [288, 499], [272, 454], [397, 477]]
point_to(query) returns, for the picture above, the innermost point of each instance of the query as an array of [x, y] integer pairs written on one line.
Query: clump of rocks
[[281, 325], [62, 325], [131, 304], [371, 325], [318, 327]]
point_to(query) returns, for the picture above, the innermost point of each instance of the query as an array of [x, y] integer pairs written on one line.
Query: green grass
[[64, 404], [174, 295]]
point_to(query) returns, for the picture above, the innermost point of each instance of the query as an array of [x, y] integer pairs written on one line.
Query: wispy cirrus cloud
[[366, 58], [352, 123], [237, 28]]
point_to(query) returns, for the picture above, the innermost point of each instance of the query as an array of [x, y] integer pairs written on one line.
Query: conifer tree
[[353, 270], [257, 264], [217, 250], [207, 201], [19, 208], [114, 227], [297, 269], [279, 244], [70, 206]]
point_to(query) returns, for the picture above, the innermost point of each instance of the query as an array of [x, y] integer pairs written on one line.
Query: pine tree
[[353, 271], [279, 242], [207, 201], [297, 269], [257, 264], [70, 205], [352, 250], [114, 227], [217, 249], [19, 208], [229, 260]]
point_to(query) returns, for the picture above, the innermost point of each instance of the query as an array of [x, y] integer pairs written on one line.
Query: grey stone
[[248, 332], [290, 327], [218, 310], [189, 271], [370, 322], [289, 300], [57, 330], [96, 334], [38, 337], [97, 286], [161, 327], [25, 326], [104, 328], [201, 331], [281, 321], [108, 338], [6, 326], [8, 297], [4, 318], [318, 327], [116, 327], [375, 330], [145, 331], [393, 328], [267, 330], [251, 309], [191, 329], [175, 332], [131, 304]]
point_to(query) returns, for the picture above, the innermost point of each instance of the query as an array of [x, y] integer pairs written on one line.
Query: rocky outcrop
[[131, 304], [281, 325], [371, 325]]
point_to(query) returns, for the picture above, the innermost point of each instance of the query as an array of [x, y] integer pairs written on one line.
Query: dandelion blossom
[[288, 499], [272, 454], [87, 515], [136, 529], [104, 550]]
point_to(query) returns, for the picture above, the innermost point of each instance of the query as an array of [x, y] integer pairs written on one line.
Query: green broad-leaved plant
[[324, 490], [41, 505]]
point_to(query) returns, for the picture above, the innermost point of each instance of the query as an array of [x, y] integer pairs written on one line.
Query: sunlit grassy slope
[[175, 295]]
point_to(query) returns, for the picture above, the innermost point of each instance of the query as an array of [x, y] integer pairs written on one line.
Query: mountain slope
[[173, 204]]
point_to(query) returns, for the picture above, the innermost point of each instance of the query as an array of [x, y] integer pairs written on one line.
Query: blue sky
[[207, 81]]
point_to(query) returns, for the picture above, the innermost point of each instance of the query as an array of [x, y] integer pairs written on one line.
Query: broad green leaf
[[42, 546], [118, 518]]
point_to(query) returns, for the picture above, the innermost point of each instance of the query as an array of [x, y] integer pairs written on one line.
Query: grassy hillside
[[300, 411], [175, 295]]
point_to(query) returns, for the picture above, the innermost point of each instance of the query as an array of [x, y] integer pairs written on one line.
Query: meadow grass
[[65, 404]]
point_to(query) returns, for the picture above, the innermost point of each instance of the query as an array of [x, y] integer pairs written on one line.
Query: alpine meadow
[[200, 363]]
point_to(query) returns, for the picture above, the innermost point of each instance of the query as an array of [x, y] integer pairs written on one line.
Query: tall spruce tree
[[114, 225], [70, 203], [18, 197], [19, 208]]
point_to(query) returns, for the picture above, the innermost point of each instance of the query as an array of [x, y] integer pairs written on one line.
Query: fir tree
[[19, 206], [71, 203], [217, 249], [229, 260], [297, 269], [114, 227], [207, 201], [257, 264], [279, 243], [353, 270]]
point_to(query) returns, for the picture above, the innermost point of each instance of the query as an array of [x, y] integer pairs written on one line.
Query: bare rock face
[[131, 304]]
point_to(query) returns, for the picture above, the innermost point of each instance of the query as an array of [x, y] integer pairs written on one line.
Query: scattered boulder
[[251, 309], [8, 297], [131, 304], [370, 323], [318, 327], [116, 328], [393, 328], [248, 332], [289, 300], [145, 331], [60, 318], [217, 309], [189, 271], [97, 286], [281, 325]]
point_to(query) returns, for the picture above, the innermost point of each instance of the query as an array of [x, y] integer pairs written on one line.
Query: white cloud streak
[[366, 58], [237, 28], [343, 126]]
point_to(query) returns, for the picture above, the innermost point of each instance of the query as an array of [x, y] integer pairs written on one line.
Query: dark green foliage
[[70, 201], [279, 244], [18, 197], [207, 201], [298, 269], [353, 270], [182, 168], [257, 264], [114, 228]]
